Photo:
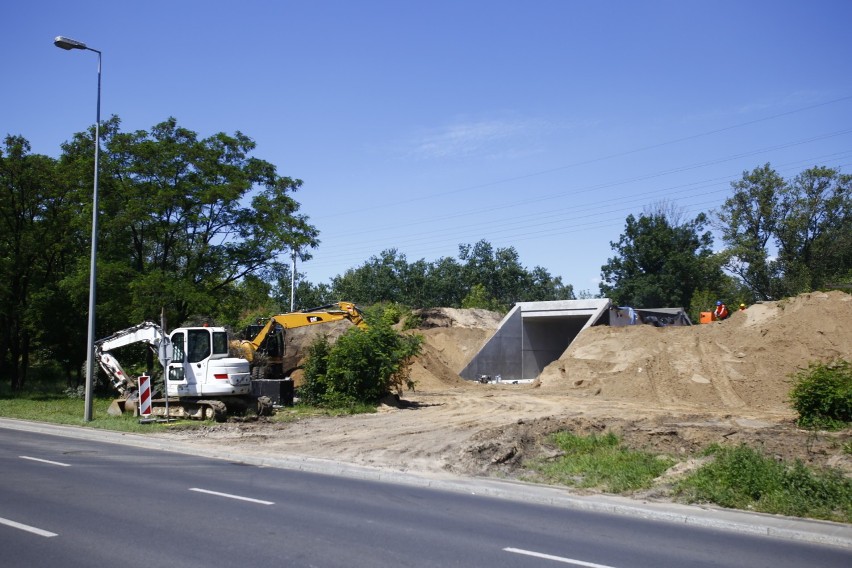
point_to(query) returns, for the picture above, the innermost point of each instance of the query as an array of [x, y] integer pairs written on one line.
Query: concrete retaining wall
[[531, 336]]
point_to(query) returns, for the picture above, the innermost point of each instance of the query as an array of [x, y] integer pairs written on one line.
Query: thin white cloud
[[783, 104], [493, 139]]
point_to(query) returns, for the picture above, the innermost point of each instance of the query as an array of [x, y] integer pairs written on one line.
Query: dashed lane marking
[[231, 496], [556, 558], [28, 528], [44, 461]]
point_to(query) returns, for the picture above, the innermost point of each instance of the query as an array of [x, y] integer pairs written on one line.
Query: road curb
[[789, 528]]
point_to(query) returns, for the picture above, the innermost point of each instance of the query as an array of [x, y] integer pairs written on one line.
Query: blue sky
[[422, 125]]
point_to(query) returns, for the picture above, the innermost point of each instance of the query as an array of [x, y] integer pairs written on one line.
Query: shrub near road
[[743, 478], [822, 395], [362, 367]]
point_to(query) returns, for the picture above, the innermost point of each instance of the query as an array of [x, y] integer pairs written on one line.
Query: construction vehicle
[[202, 380], [263, 344]]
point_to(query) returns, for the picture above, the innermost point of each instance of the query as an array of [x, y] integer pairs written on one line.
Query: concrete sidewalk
[[818, 532]]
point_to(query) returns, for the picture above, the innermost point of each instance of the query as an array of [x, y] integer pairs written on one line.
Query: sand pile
[[669, 390], [451, 337], [744, 362]]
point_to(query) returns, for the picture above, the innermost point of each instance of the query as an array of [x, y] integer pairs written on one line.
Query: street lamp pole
[[293, 284], [68, 44]]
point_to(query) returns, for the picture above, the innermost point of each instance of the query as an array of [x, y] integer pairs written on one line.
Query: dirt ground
[[672, 390]]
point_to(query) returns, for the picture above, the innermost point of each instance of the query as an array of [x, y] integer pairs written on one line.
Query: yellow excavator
[[263, 344]]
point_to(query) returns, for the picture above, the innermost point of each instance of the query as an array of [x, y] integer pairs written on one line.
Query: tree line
[[182, 221], [781, 237], [481, 277], [198, 227]]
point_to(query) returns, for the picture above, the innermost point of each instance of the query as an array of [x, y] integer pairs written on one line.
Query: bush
[[822, 395], [363, 367], [384, 313], [391, 314], [78, 392], [316, 365], [742, 478]]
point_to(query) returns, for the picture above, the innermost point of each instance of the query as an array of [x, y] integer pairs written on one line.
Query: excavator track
[[206, 409], [213, 410]]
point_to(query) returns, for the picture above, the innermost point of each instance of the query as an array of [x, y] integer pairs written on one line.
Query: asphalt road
[[72, 502]]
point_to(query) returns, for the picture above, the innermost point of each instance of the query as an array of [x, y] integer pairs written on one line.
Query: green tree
[[186, 218], [310, 295], [479, 266], [444, 284], [38, 219], [543, 287], [447, 282], [660, 263], [478, 298], [815, 230], [251, 298], [808, 221], [505, 280], [278, 280], [380, 279], [749, 220], [414, 286]]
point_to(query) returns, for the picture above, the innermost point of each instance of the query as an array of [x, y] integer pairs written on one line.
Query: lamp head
[[68, 43]]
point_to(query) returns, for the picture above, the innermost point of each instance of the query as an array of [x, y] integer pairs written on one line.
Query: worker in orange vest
[[721, 311], [742, 307]]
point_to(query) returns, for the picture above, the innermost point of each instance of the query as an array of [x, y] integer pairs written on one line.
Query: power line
[[596, 188], [597, 159], [513, 221], [598, 214]]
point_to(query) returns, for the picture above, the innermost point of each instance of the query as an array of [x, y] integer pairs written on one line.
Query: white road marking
[[45, 461], [230, 496], [27, 528], [556, 558]]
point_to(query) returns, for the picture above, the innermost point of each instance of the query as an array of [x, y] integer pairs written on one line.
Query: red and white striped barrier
[[145, 395]]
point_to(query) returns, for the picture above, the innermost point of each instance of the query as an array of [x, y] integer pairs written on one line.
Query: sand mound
[[744, 362], [453, 317], [451, 337], [670, 390]]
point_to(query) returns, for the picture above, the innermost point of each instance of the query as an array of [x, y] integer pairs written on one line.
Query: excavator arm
[[322, 314], [146, 332], [264, 348]]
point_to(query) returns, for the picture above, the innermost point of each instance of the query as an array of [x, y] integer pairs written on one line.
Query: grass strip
[[743, 478]]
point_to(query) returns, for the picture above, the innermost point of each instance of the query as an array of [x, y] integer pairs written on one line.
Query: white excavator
[[202, 380]]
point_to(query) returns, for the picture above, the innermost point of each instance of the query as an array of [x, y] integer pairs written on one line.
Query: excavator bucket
[[121, 406], [116, 407]]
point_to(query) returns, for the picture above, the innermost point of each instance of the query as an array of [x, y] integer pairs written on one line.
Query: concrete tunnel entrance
[[533, 335]]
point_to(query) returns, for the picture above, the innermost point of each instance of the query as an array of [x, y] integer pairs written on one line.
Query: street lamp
[[68, 44]]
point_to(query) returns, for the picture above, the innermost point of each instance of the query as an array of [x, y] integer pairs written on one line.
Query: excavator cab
[[201, 365], [272, 344]]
